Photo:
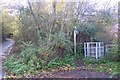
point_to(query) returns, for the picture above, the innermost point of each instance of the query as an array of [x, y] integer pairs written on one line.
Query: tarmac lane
[[5, 48]]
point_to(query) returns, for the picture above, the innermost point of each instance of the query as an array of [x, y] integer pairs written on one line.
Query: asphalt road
[[5, 48]]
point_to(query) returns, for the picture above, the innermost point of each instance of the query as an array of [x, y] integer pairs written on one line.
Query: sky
[[105, 2], [100, 2]]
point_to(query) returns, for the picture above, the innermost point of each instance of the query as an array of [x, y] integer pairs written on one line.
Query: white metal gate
[[94, 49]]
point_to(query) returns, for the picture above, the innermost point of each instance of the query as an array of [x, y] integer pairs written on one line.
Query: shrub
[[32, 60], [114, 66], [94, 61], [59, 46], [104, 66], [67, 60], [80, 51], [113, 54]]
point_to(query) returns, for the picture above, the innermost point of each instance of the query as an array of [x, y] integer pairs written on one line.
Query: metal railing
[[94, 49]]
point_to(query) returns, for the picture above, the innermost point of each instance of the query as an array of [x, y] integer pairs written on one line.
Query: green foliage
[[113, 54], [114, 66], [47, 35], [104, 66], [6, 21], [40, 38], [31, 61], [80, 49], [15, 66], [94, 61], [100, 69], [67, 60], [59, 45], [63, 41]]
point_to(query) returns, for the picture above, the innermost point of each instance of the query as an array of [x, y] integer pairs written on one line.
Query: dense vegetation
[[43, 34]]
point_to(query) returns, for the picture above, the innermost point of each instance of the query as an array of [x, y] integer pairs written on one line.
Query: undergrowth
[[29, 63], [103, 65]]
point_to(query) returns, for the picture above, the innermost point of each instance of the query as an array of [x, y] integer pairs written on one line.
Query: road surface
[[5, 48]]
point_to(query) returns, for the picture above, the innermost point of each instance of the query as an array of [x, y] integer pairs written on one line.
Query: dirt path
[[5, 45], [79, 72]]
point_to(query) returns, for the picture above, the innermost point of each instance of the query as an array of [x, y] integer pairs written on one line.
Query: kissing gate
[[94, 49]]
